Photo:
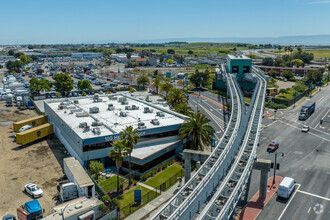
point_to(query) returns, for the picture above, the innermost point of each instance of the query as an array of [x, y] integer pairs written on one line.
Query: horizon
[[64, 22]]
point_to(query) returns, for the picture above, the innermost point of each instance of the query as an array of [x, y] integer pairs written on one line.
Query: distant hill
[[287, 40]]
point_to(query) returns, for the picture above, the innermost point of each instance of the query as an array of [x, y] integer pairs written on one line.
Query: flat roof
[[146, 150], [78, 172], [238, 57], [110, 122]]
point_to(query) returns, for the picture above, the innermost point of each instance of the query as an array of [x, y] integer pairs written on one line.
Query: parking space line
[[311, 194], [287, 205]]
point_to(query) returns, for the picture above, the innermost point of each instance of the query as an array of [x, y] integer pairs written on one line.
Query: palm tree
[[166, 87], [130, 138], [183, 108], [156, 83], [198, 129], [117, 154], [176, 96]]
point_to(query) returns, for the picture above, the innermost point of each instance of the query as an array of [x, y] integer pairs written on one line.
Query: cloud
[[319, 2]]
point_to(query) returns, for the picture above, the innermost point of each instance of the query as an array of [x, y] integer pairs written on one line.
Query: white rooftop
[[111, 121], [238, 57]]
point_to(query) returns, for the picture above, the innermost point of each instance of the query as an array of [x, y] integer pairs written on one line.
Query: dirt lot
[[38, 163]]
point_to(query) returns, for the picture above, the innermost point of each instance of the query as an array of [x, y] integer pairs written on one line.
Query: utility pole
[[275, 163]]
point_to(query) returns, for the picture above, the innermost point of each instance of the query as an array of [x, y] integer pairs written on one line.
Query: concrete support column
[[187, 170], [198, 164], [263, 184]]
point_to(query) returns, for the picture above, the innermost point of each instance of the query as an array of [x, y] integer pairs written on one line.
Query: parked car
[[305, 128], [9, 217], [33, 190], [25, 128], [273, 146]]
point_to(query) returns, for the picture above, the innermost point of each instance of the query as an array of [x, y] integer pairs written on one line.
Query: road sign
[[137, 196]]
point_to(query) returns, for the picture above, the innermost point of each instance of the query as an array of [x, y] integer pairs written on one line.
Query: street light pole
[[275, 162]]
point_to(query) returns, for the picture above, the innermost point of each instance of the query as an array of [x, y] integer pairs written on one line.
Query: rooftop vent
[[147, 110], [134, 107], [155, 122], [60, 107], [96, 131], [94, 110], [122, 99], [82, 124], [128, 107], [141, 125], [75, 101], [123, 114], [97, 123], [112, 97], [82, 114], [160, 114], [87, 128]]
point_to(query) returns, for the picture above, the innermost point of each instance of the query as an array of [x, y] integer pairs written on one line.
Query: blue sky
[[73, 21]]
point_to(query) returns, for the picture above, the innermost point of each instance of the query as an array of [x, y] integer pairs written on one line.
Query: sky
[[89, 21]]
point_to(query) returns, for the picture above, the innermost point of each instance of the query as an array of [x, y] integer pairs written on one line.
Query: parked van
[[286, 187]]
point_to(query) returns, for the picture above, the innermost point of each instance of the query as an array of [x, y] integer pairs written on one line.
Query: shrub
[[283, 91], [83, 93]]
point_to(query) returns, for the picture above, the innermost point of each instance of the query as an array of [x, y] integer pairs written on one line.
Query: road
[[306, 159]]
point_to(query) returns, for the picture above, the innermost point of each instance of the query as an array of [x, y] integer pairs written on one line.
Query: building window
[[246, 69], [235, 69]]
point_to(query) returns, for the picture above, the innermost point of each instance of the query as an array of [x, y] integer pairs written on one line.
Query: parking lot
[[38, 163]]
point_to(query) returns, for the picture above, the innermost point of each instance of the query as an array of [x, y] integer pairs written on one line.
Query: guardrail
[[199, 187], [224, 200]]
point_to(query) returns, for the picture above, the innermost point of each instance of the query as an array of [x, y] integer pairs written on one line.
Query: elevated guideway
[[198, 189]]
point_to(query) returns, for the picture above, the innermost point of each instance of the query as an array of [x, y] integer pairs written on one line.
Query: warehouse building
[[88, 126]]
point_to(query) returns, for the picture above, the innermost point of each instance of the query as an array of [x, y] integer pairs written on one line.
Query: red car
[[273, 146]]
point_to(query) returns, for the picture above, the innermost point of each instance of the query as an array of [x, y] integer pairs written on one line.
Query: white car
[[305, 128], [25, 128], [33, 190]]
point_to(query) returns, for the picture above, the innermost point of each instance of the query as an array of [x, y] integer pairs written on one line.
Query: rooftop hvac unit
[[111, 107], [82, 124], [75, 101], [96, 131], [147, 110], [94, 110], [111, 97], [122, 99], [60, 107], [134, 107], [155, 122], [122, 114], [141, 125], [128, 107], [124, 102], [97, 123], [70, 107], [82, 114], [87, 128], [160, 114]]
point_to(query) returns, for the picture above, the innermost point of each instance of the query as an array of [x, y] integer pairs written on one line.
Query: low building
[[239, 64], [296, 71], [81, 209], [88, 126], [77, 175], [86, 55], [141, 61]]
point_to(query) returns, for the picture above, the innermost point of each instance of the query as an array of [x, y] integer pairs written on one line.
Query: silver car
[[33, 190]]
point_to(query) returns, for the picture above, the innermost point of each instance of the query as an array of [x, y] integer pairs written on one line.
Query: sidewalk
[[147, 211], [146, 186], [255, 205]]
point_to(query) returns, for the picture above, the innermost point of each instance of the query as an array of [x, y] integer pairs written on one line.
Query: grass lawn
[[111, 183], [128, 198], [247, 100], [164, 175], [320, 53]]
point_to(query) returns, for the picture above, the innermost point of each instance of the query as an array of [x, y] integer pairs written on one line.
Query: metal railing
[[199, 187], [224, 200]]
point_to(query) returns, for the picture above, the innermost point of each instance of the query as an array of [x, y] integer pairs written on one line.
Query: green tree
[[196, 128], [11, 52], [272, 73], [41, 85], [143, 80], [198, 78], [34, 57], [190, 52], [169, 61], [131, 90], [176, 96], [63, 82], [171, 51], [117, 154], [268, 61], [183, 108], [279, 47], [129, 55], [287, 74], [290, 49], [313, 76], [130, 139], [17, 55], [166, 87], [95, 167], [156, 83], [84, 84], [299, 49], [298, 62], [25, 59], [30, 47]]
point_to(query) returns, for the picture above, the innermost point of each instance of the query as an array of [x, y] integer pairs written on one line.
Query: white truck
[[286, 187]]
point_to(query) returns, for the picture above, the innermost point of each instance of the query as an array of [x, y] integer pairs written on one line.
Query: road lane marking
[[309, 209], [287, 205], [311, 194], [308, 132]]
